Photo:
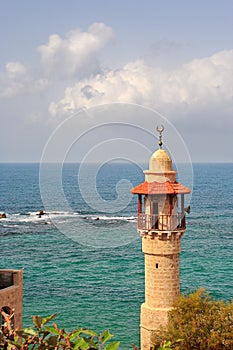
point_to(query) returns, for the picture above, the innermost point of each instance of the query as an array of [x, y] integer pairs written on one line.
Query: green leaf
[[81, 344], [179, 340], [47, 319], [89, 332], [75, 334], [166, 345], [37, 320], [106, 336], [91, 342], [51, 330], [112, 346], [28, 331]]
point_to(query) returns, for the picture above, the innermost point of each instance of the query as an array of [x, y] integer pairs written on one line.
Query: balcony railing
[[162, 222]]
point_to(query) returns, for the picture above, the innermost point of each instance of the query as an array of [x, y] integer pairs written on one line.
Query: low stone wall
[[11, 293]]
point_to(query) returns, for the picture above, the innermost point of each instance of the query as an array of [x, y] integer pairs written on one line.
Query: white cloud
[[181, 93], [75, 55], [14, 69], [12, 79], [17, 79], [197, 84]]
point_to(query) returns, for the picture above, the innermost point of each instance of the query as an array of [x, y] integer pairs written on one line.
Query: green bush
[[200, 322]]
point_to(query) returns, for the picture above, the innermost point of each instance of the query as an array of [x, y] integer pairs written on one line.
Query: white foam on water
[[111, 218], [34, 216], [18, 218], [61, 216]]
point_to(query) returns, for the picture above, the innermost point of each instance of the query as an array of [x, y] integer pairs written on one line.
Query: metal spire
[[160, 130]]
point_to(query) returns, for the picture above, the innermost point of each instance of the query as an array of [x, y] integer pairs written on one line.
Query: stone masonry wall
[[12, 296], [162, 281]]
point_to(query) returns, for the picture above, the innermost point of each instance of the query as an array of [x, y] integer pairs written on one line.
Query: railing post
[[183, 224]]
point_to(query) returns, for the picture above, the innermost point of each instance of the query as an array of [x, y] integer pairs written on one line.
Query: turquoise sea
[[96, 279]]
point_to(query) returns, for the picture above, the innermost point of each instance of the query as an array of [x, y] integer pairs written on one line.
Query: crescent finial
[[160, 130]]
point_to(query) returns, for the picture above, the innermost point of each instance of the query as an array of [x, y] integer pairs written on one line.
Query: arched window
[[7, 318]]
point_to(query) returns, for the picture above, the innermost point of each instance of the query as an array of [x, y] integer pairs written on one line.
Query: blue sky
[[58, 57]]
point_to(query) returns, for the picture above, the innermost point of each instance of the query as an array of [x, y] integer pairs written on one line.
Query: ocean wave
[[35, 217], [20, 218], [110, 218]]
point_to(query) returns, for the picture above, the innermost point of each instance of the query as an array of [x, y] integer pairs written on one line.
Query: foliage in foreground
[[196, 322], [43, 337], [200, 322]]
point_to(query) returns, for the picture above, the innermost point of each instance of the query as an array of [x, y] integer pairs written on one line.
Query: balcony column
[[182, 212], [170, 204], [182, 204], [139, 204]]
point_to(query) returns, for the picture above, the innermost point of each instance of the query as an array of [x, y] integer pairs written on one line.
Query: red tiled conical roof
[[160, 188]]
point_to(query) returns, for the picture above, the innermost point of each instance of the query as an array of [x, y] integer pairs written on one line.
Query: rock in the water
[[3, 216], [41, 212]]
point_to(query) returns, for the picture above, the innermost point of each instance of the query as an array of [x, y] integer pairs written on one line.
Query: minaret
[[161, 224]]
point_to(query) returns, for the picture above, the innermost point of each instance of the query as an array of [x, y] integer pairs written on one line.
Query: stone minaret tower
[[161, 224]]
